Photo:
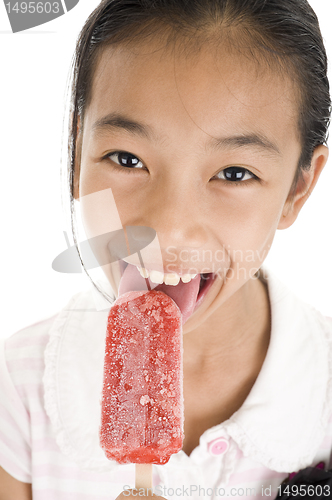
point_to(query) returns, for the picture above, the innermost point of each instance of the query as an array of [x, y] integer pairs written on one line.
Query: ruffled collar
[[280, 424], [283, 420], [74, 359]]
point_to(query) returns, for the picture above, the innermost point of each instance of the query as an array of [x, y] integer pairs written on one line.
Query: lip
[[205, 289]]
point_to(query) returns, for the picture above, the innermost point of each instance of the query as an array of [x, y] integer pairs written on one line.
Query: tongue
[[183, 294]]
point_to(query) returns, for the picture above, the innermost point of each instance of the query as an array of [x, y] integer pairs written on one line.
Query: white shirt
[[50, 387]]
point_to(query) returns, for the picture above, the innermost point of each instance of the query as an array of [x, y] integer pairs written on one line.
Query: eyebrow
[[244, 140], [116, 122]]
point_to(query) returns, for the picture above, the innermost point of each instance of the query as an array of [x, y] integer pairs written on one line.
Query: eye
[[125, 159], [236, 174]]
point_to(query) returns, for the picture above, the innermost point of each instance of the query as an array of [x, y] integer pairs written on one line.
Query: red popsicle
[[142, 398]]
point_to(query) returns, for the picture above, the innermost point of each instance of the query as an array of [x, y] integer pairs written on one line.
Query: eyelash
[[129, 170]]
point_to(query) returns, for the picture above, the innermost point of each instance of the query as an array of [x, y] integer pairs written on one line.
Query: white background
[[34, 70]]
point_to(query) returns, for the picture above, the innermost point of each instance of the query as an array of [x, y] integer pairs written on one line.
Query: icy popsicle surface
[[142, 398]]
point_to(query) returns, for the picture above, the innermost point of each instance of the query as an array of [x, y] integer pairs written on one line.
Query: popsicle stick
[[143, 476]]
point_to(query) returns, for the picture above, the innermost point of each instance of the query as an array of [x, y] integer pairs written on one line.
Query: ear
[[303, 188], [77, 163]]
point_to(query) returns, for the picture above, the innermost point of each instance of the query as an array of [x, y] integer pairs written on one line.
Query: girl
[[205, 121]]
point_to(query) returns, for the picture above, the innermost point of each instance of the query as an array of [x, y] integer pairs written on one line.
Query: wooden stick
[[143, 476]]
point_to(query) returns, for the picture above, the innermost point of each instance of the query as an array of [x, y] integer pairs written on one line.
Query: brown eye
[[126, 159], [236, 174]]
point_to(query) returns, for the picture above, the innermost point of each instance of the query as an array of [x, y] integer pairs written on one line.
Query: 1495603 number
[[305, 490], [33, 7]]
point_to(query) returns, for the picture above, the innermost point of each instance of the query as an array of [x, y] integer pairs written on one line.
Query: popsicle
[[142, 398]]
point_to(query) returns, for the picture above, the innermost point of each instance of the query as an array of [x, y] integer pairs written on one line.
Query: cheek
[[125, 194], [98, 210], [247, 224], [99, 213]]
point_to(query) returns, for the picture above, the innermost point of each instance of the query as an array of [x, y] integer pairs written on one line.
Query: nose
[[174, 209]]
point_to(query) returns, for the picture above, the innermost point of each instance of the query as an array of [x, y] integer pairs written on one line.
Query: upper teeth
[[168, 278]]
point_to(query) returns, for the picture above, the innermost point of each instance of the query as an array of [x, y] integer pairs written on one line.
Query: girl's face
[[201, 147]]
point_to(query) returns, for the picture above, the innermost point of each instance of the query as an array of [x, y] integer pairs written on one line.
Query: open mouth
[[206, 281], [187, 291]]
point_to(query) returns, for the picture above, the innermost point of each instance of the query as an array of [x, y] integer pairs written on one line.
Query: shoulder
[[295, 381], [316, 321], [326, 321], [23, 353], [290, 312], [32, 340], [21, 372]]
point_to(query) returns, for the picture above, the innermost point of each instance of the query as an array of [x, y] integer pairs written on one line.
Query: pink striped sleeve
[[15, 439]]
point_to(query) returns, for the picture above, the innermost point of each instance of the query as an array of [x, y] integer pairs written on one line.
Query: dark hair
[[286, 30]]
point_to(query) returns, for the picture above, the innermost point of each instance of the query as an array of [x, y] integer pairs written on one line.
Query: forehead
[[210, 91]]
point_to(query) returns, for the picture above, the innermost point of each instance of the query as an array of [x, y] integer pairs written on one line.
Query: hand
[[12, 489]]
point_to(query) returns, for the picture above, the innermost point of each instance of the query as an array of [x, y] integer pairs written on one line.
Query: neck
[[238, 330], [222, 360]]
